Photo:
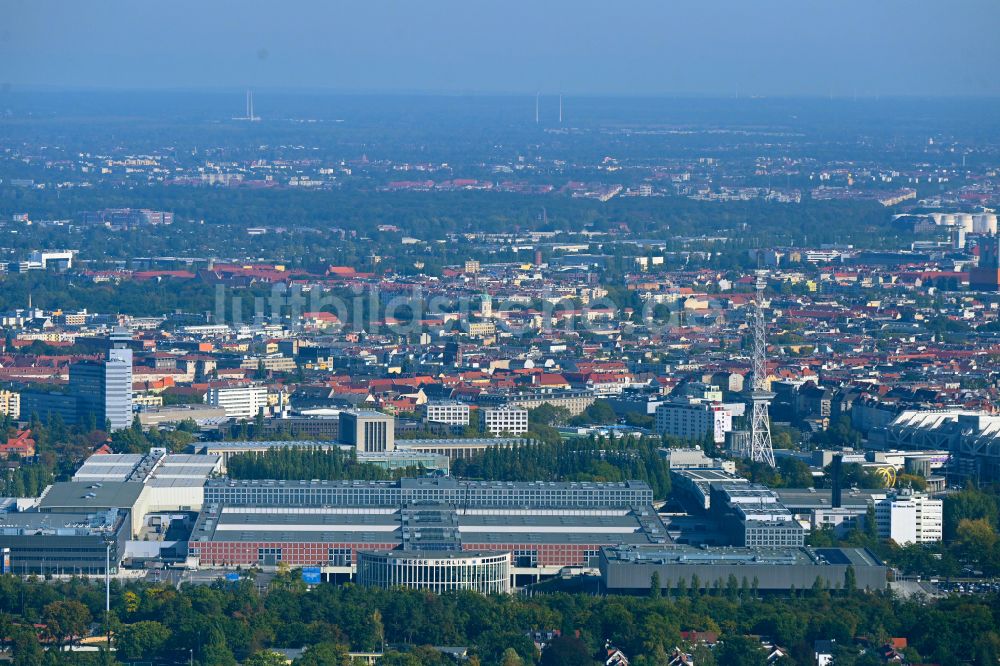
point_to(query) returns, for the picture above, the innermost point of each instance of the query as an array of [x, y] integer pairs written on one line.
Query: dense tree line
[[225, 622], [136, 440], [788, 473], [59, 449], [422, 214], [599, 413], [26, 481], [308, 463], [52, 291], [582, 459], [579, 459]]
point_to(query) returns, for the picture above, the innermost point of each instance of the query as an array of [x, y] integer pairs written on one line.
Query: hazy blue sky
[[847, 47]]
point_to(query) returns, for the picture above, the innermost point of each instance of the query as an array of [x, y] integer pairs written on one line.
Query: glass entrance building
[[444, 571]]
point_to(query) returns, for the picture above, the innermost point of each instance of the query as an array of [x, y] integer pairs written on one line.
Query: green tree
[[795, 473], [566, 651], [732, 586], [986, 648], [324, 654], [511, 658], [394, 658], [265, 658], [871, 524], [911, 481], [217, 654], [598, 413], [839, 434], [547, 415], [703, 656], [975, 539], [969, 503], [66, 621], [141, 640], [741, 651], [850, 579], [26, 649]]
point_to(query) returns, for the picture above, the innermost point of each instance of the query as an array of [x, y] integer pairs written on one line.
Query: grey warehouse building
[[446, 490], [86, 498], [64, 543], [630, 568], [437, 534]]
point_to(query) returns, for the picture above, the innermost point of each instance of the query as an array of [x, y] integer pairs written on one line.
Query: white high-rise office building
[[103, 389], [118, 382], [693, 419], [240, 402], [906, 516]]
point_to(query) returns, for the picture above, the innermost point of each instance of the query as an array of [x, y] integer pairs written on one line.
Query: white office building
[[693, 419], [499, 420], [239, 402], [451, 413], [44, 259], [906, 516]]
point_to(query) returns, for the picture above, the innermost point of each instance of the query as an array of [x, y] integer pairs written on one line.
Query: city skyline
[[500, 334]]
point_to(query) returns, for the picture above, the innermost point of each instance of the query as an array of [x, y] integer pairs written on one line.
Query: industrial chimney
[[838, 461]]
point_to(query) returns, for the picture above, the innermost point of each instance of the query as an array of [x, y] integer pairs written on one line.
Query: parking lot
[[984, 586]]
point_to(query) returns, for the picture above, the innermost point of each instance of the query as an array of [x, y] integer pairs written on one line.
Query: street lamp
[[107, 575], [108, 540]]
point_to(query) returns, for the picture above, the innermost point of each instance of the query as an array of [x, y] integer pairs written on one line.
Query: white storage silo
[[985, 223]]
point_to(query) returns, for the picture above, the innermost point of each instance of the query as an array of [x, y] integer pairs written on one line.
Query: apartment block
[[513, 420]]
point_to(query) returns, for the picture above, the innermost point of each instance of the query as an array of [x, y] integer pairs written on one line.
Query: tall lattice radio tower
[[761, 449]]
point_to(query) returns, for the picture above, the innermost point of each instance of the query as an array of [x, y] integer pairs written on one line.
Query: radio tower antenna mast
[[537, 95], [250, 116], [761, 449]]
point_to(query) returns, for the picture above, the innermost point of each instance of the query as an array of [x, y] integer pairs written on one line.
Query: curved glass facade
[[484, 572]]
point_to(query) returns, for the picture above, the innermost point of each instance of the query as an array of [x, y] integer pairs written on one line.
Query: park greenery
[[58, 452], [324, 463], [577, 459], [228, 622], [59, 449]]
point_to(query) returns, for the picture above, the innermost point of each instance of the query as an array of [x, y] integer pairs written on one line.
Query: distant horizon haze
[[641, 48]]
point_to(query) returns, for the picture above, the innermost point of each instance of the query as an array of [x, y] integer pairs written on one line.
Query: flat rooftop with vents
[[630, 568]]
